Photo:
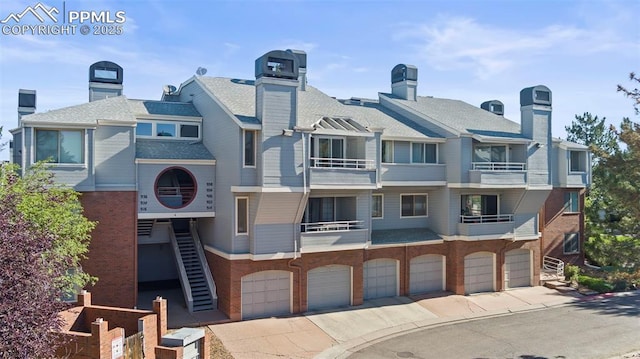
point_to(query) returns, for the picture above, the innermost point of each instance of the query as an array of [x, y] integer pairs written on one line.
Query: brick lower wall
[[113, 250], [228, 273], [557, 224]]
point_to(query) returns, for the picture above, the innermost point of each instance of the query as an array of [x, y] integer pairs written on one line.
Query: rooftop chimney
[[493, 106], [105, 80], [535, 123], [26, 102], [302, 68], [404, 81]]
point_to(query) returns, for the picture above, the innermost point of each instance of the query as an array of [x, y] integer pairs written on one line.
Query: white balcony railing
[[492, 218], [498, 166], [348, 163], [331, 226]]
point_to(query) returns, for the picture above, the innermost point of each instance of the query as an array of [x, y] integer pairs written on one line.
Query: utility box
[[190, 339]]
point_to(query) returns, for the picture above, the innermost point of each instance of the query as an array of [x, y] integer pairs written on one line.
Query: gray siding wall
[[526, 225], [274, 222], [222, 136], [413, 172], [498, 177], [276, 108], [273, 238], [323, 239], [456, 153], [204, 200], [392, 202], [114, 157], [536, 122]]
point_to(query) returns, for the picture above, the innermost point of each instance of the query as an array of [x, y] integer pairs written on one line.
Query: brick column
[[99, 336], [84, 299], [160, 308]]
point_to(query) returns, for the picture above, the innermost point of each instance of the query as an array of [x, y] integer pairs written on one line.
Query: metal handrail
[[492, 218], [498, 166], [203, 262], [348, 163], [553, 264], [184, 279], [331, 226]]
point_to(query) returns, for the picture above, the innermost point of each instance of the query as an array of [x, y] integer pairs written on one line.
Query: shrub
[[597, 284], [571, 271]]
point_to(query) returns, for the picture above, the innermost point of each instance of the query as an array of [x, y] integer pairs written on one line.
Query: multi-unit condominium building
[[268, 197]]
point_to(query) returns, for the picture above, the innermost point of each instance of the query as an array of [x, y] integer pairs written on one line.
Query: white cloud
[[461, 43]]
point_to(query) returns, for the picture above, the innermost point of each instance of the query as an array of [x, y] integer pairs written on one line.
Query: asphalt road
[[589, 329]]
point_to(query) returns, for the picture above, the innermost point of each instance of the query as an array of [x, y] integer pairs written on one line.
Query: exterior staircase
[[197, 284]]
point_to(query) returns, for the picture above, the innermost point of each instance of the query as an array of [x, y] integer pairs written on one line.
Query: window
[[387, 151], [377, 206], [414, 205], [144, 129], [166, 129], [104, 73], [571, 243], [60, 146], [330, 209], [189, 131], [242, 215], [331, 148], [249, 148], [571, 202], [490, 153], [479, 205], [423, 153], [577, 161]]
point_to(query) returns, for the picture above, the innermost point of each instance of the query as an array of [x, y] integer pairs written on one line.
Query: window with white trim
[[577, 161], [413, 205], [60, 146], [571, 243], [571, 202], [167, 130], [249, 155], [424, 152], [377, 205], [242, 215], [387, 151]]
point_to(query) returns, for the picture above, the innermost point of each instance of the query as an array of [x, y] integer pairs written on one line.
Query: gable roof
[[238, 96], [165, 108], [87, 114], [462, 117]]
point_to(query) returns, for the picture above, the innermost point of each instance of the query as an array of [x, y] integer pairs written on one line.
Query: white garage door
[[328, 287], [426, 274], [478, 272], [517, 268], [380, 278], [266, 293]]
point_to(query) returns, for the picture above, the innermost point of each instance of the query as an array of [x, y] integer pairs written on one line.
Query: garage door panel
[[479, 272], [426, 274], [266, 294], [328, 287], [517, 268], [380, 278]]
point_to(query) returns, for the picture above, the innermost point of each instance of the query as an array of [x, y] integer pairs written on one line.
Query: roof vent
[[105, 72], [168, 89], [537, 95], [493, 106], [404, 72]]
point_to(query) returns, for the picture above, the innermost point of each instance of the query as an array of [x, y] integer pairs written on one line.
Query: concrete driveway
[[330, 334]]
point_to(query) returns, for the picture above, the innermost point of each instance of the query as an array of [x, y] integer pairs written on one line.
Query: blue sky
[[468, 50]]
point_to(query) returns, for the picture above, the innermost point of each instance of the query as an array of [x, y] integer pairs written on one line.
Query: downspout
[[290, 264]]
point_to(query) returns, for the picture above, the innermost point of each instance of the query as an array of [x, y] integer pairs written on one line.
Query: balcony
[[337, 233], [498, 173], [412, 172], [343, 172], [482, 225]]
